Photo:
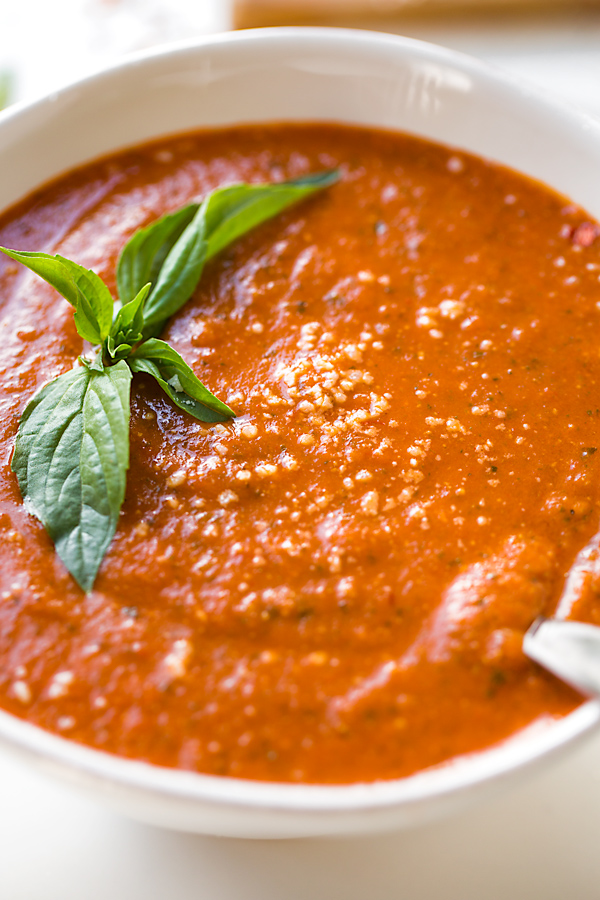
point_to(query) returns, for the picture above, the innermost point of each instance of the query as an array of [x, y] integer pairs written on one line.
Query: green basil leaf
[[50, 269], [175, 377], [223, 216], [233, 211], [122, 351], [180, 398], [129, 322], [178, 276], [83, 289], [143, 255], [95, 304], [71, 458]]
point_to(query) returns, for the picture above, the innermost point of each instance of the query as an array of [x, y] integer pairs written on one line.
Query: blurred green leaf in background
[[6, 88]]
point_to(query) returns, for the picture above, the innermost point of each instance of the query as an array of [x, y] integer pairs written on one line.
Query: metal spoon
[[570, 650]]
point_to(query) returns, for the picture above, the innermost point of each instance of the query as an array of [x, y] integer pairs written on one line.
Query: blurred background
[[552, 43], [541, 842]]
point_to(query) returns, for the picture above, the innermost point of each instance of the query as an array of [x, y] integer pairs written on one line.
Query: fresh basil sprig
[[72, 448], [171, 252]]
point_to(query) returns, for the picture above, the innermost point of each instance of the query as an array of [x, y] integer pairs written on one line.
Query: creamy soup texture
[[334, 586]]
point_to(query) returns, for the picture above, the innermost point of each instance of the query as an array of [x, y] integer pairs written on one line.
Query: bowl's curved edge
[[443, 69], [238, 808]]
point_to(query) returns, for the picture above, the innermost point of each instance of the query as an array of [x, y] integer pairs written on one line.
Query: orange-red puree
[[334, 587]]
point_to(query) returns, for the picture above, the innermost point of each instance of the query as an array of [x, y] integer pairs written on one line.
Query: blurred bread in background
[[260, 13]]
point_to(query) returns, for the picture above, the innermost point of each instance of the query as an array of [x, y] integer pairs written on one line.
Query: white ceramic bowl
[[298, 74]]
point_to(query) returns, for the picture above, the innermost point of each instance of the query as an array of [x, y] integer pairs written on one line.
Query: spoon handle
[[570, 650]]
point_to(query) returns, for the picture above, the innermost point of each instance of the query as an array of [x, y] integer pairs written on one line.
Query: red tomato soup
[[334, 586]]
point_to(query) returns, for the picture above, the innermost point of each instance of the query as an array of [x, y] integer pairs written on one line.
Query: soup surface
[[333, 587]]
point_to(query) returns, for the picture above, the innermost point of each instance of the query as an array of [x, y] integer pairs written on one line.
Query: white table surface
[[537, 842], [540, 841]]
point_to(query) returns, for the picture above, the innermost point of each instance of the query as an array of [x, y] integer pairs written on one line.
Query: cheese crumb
[[177, 478], [369, 503], [248, 431], [65, 723], [60, 684], [265, 470], [22, 691], [176, 661], [226, 498]]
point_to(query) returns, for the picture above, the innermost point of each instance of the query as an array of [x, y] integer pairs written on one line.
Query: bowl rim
[[540, 740], [486, 71], [518, 751]]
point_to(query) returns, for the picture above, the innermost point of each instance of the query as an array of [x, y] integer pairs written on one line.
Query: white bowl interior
[[304, 74], [283, 75]]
